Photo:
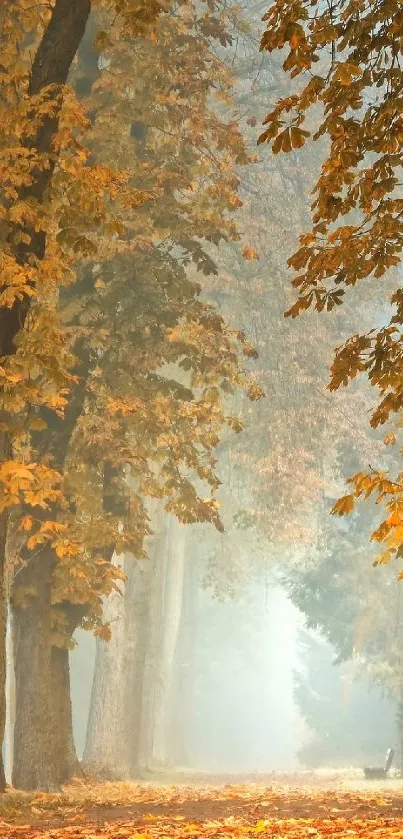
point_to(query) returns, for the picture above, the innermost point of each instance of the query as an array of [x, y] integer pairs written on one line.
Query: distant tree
[[349, 722], [367, 630]]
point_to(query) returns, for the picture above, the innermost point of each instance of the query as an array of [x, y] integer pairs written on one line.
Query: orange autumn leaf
[[250, 253], [26, 523]]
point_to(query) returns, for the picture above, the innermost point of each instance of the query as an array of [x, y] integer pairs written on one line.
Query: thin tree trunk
[[163, 625], [5, 454], [137, 596], [179, 745], [173, 597], [118, 674], [10, 706], [106, 753], [399, 730]]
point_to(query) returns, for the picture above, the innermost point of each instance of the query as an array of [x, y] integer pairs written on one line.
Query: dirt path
[[171, 804], [287, 806]]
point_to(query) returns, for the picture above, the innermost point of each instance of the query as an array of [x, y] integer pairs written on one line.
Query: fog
[[244, 717], [240, 714]]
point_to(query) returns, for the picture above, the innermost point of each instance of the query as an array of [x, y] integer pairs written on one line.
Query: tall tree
[[153, 359], [31, 104], [38, 116]]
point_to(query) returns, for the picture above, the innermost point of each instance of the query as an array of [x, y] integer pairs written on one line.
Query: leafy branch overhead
[[345, 59], [136, 400]]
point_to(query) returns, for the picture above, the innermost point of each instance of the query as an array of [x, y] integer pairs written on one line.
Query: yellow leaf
[[343, 506], [260, 826], [250, 253], [26, 523]]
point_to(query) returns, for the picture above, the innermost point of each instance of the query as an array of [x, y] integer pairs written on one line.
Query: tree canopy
[[345, 60], [130, 204]]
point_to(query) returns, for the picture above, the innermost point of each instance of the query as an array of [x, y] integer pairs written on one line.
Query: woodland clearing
[[291, 806]]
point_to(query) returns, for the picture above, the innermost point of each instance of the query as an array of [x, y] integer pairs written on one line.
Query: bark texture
[[167, 577], [10, 706], [5, 454], [115, 710], [184, 688], [62, 725], [106, 749], [137, 615], [33, 683], [44, 751]]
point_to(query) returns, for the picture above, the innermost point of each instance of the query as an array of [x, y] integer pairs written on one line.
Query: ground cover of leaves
[[287, 807]]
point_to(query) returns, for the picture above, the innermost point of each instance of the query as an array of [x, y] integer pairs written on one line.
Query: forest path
[[300, 806]]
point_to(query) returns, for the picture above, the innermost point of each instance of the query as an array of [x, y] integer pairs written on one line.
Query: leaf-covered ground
[[288, 807]]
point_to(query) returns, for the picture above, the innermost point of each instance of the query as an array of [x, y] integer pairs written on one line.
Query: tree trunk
[[5, 454], [62, 727], [10, 706], [3, 628], [114, 719], [51, 65], [43, 733], [44, 752], [163, 625], [399, 730], [33, 684], [106, 753], [183, 699], [137, 596], [132, 690]]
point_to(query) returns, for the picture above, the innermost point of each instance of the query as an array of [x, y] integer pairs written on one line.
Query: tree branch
[[53, 59]]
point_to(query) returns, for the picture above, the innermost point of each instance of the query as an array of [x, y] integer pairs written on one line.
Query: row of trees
[[115, 383]]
